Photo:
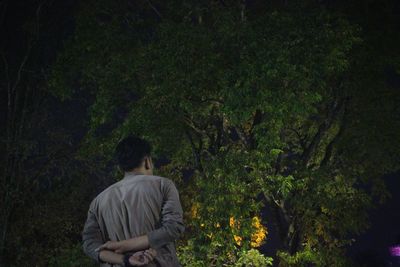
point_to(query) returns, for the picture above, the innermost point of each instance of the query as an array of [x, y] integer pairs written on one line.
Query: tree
[[38, 160], [253, 106], [18, 92]]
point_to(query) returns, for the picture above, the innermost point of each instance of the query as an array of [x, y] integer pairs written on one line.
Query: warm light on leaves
[[260, 233], [238, 239], [257, 237], [194, 210]]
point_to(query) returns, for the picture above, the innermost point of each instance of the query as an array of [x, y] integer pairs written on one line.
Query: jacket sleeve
[[171, 217], [91, 236]]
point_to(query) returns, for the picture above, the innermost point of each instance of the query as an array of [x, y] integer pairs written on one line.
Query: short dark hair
[[131, 151]]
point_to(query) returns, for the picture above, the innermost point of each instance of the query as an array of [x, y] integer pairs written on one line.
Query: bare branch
[[38, 11], [24, 112], [7, 72], [21, 66], [154, 9], [4, 6], [30, 46], [243, 11], [216, 101]]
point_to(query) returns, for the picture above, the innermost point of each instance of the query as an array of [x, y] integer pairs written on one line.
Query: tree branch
[[189, 122], [243, 10], [154, 9], [8, 82], [300, 138], [196, 151], [330, 146], [322, 130], [4, 6]]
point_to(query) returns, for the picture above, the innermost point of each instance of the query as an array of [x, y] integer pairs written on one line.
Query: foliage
[[239, 258], [71, 257], [301, 258], [253, 258], [51, 223], [187, 257], [263, 109]]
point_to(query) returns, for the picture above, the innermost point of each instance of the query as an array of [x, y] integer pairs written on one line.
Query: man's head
[[133, 154]]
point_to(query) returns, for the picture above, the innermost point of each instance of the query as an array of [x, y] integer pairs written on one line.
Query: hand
[[116, 246], [142, 258]]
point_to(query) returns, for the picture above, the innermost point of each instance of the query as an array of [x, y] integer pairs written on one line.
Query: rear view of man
[[142, 211]]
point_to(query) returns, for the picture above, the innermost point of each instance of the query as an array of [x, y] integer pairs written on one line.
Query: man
[[142, 211]]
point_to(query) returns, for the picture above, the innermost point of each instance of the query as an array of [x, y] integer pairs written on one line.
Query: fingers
[[120, 249], [150, 255], [141, 258], [109, 245], [137, 263], [152, 251], [113, 245], [138, 259], [104, 246]]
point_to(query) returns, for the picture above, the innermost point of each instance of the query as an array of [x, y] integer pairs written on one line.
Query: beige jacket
[[134, 206]]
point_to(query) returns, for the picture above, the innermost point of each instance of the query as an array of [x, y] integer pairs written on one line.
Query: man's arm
[[171, 218], [111, 257], [92, 239], [140, 243]]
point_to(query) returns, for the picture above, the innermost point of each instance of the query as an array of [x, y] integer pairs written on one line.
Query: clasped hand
[[139, 258]]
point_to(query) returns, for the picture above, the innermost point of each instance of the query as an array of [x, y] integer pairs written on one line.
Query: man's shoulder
[[106, 191], [111, 187], [157, 177], [164, 183], [163, 180]]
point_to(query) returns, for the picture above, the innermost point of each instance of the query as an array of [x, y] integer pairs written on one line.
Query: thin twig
[[155, 9]]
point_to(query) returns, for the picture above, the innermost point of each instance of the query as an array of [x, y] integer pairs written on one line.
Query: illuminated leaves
[[260, 232]]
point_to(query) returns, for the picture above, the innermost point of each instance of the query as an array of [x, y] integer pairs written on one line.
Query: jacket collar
[[131, 174]]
